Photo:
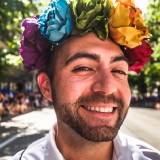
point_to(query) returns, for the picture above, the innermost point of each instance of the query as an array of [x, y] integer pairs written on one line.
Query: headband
[[121, 21]]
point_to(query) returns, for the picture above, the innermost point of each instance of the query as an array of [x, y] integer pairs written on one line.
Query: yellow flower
[[126, 24], [128, 2]]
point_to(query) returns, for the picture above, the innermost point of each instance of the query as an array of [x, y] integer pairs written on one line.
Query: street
[[144, 124], [18, 132]]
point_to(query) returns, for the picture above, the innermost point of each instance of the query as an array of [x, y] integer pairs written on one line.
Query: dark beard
[[68, 113]]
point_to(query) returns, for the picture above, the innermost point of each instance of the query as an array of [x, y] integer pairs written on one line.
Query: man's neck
[[72, 146]]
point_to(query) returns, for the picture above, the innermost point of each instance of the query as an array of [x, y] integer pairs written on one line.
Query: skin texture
[[91, 96]]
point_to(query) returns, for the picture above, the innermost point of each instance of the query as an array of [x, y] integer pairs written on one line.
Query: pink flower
[[138, 56], [34, 47]]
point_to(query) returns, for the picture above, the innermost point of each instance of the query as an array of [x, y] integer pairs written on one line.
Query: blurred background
[[21, 104]]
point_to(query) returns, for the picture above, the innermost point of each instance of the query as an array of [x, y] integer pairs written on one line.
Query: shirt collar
[[52, 151], [126, 148]]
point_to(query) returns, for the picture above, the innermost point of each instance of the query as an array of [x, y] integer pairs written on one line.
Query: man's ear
[[45, 86]]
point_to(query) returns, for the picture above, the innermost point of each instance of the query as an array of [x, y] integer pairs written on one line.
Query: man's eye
[[81, 69], [119, 72]]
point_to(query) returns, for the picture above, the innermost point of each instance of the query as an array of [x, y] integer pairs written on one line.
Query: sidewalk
[[18, 132]]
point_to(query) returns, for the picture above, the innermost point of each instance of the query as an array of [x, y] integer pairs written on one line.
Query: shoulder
[[146, 149], [34, 151], [42, 149]]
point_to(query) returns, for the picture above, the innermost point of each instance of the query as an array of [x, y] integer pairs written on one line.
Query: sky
[[142, 4]]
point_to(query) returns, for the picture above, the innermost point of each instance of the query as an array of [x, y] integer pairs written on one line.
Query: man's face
[[90, 87]]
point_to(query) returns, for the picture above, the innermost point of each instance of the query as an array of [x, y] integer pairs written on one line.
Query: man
[[86, 78]]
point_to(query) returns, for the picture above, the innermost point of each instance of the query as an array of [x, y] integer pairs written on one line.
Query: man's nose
[[104, 83]]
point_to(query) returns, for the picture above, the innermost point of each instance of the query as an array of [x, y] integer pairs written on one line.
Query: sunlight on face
[[90, 87]]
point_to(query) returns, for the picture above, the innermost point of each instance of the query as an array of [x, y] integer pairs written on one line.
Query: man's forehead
[[89, 43]]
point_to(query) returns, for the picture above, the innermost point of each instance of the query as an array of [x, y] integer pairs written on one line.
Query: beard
[[68, 113]]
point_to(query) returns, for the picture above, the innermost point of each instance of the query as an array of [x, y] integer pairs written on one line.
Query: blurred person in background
[[1, 105], [84, 51]]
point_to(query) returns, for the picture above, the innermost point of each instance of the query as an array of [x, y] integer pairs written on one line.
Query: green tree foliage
[[152, 19], [152, 70], [12, 12]]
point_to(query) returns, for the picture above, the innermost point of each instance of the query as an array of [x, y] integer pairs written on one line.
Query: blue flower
[[56, 21]]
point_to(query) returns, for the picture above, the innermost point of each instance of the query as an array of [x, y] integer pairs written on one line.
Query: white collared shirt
[[125, 148]]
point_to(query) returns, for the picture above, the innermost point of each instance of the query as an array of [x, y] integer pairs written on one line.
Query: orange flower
[[128, 2], [126, 24]]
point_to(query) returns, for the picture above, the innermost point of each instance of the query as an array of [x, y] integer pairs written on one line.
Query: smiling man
[[84, 72], [94, 77]]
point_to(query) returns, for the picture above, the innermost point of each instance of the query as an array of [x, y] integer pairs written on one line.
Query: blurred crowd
[[13, 103], [147, 102]]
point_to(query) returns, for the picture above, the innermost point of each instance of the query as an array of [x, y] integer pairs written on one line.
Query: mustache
[[96, 98]]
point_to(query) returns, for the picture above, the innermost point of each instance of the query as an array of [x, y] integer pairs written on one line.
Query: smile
[[100, 109]]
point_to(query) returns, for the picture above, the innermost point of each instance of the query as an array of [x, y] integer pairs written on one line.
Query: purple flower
[[34, 47]]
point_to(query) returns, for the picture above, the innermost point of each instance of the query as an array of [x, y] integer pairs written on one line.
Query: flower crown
[[121, 21]]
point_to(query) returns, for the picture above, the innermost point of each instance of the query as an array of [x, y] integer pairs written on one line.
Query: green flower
[[91, 16]]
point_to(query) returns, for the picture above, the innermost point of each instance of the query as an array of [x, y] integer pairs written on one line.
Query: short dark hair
[[50, 67]]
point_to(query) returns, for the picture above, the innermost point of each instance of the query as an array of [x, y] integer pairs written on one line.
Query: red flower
[[138, 56]]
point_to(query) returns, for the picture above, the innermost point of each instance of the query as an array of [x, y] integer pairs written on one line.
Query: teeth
[[101, 109]]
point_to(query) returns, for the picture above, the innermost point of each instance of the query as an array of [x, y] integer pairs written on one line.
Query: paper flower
[[138, 56], [56, 21], [126, 25], [34, 47], [121, 21], [91, 15]]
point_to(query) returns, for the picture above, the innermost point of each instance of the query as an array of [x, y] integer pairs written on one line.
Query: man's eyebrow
[[120, 58], [76, 56]]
